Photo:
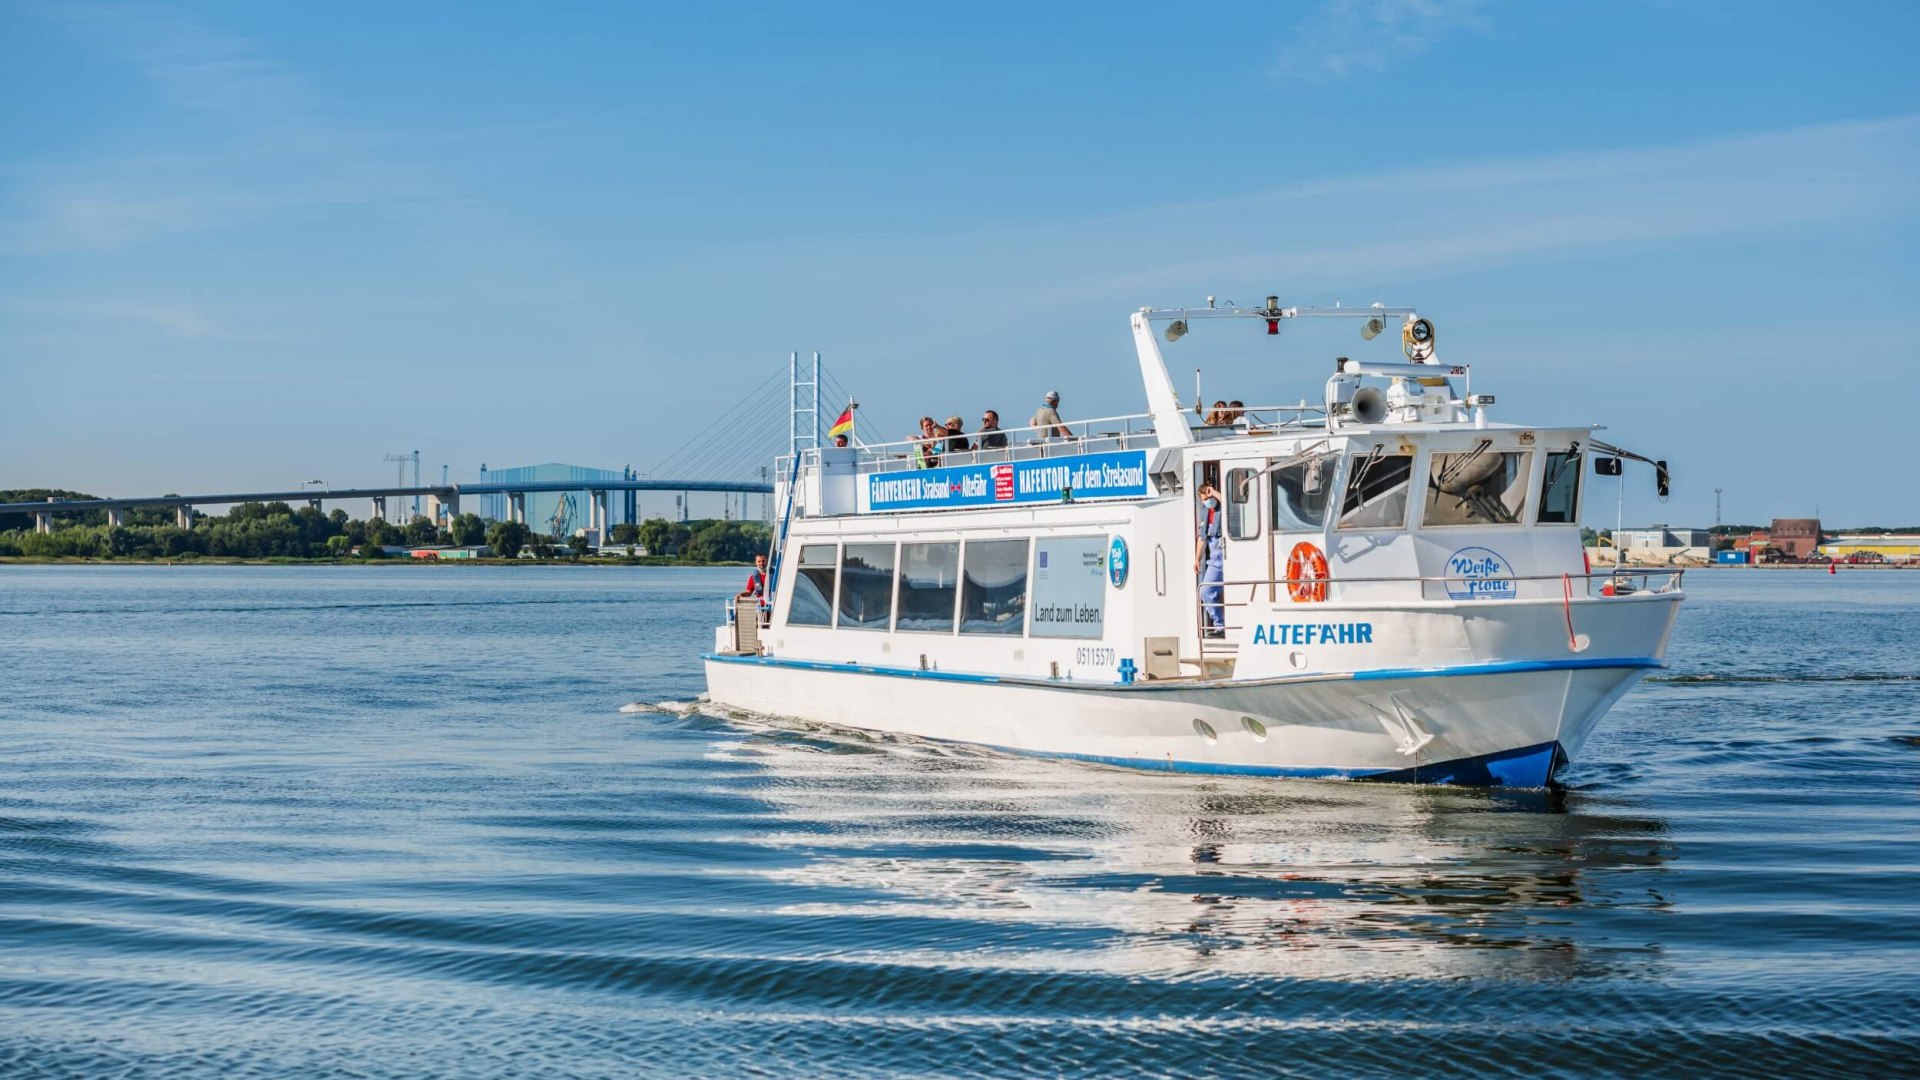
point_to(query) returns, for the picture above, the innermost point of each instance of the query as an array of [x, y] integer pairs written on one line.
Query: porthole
[[1297, 659], [1205, 731], [1254, 728]]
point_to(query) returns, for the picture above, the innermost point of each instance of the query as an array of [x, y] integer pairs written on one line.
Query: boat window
[[993, 595], [1377, 485], [1560, 488], [1300, 495], [929, 582], [1243, 505], [866, 586], [812, 603], [1478, 487]]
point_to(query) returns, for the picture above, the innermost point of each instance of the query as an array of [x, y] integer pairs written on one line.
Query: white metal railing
[[1133, 431], [1100, 434]]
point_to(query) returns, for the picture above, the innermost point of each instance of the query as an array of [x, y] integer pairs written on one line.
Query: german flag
[[842, 426]]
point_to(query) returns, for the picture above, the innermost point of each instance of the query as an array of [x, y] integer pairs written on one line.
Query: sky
[[246, 245]]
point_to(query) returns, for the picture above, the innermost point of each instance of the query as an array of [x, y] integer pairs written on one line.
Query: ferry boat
[[1388, 584]]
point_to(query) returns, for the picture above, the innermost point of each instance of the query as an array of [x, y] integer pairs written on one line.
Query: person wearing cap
[[1047, 419]]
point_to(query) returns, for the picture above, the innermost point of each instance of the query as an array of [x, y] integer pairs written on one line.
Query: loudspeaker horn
[[1369, 405]]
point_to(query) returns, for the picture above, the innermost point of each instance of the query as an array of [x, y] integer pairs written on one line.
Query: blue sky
[[244, 245]]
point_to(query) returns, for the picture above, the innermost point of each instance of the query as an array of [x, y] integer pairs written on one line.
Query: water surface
[[391, 822]]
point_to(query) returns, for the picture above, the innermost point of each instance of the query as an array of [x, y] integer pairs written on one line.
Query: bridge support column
[[183, 516], [517, 507], [43, 520], [116, 516], [379, 510], [315, 503], [450, 505]]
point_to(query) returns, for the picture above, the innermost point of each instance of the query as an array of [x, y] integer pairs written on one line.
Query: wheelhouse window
[[1478, 487], [866, 586], [812, 603], [1560, 488], [1377, 486], [993, 592], [1300, 492], [929, 585], [1243, 505]]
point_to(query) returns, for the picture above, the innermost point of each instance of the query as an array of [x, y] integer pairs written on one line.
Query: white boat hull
[[1505, 725]]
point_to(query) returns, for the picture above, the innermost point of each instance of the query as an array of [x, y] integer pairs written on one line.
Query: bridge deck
[[443, 491]]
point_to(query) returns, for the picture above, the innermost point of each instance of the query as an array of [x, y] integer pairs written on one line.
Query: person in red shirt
[[756, 581], [756, 590]]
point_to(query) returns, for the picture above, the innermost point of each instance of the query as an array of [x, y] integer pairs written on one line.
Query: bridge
[[742, 437], [443, 500]]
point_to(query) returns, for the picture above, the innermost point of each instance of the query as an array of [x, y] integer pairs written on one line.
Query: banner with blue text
[[1008, 483]]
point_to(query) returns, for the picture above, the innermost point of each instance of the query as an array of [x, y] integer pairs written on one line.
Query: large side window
[[1377, 486], [866, 586], [993, 593], [1478, 487], [929, 585], [1560, 488], [1243, 505], [1300, 493], [812, 603]]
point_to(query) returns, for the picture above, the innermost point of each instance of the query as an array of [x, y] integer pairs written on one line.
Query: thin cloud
[[176, 320], [1342, 37]]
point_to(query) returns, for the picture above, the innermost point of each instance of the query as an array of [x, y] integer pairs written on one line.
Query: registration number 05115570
[[1093, 656]]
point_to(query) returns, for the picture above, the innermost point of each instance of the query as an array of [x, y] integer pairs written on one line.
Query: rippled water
[[390, 821]]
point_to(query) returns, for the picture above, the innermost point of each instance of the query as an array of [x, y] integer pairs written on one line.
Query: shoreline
[[206, 560]]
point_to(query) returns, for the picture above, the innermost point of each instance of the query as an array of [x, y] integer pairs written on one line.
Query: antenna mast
[[803, 400]]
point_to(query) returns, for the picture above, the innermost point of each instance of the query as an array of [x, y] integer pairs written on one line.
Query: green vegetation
[[705, 541], [506, 538], [278, 532]]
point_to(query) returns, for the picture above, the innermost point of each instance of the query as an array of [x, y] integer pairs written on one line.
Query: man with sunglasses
[[991, 437]]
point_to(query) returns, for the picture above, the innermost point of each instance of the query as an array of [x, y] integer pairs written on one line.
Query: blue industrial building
[[559, 512]]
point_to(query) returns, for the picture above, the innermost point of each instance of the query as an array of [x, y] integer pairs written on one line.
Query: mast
[[1168, 421]]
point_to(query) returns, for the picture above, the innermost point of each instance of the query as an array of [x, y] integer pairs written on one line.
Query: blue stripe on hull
[[1526, 767], [1494, 667]]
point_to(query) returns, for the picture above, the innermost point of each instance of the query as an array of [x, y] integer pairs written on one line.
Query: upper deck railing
[[1133, 431]]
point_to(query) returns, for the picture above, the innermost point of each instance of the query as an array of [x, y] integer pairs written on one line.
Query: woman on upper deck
[[926, 449], [957, 436]]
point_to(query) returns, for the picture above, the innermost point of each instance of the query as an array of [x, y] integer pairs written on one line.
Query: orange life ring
[[1307, 574]]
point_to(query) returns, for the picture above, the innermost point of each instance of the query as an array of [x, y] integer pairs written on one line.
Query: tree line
[[275, 530]]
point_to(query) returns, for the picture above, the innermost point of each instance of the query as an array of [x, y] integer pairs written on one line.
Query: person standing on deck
[[1210, 562], [1047, 419], [756, 589]]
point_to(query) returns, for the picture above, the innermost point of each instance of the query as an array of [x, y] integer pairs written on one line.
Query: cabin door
[[1209, 552], [1249, 554]]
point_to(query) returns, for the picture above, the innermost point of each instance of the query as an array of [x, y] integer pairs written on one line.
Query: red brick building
[[1794, 538]]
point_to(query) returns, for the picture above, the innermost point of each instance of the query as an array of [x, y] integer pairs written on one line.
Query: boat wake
[[1858, 677]]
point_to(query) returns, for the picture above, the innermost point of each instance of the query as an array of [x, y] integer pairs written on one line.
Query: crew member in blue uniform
[[1209, 562]]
